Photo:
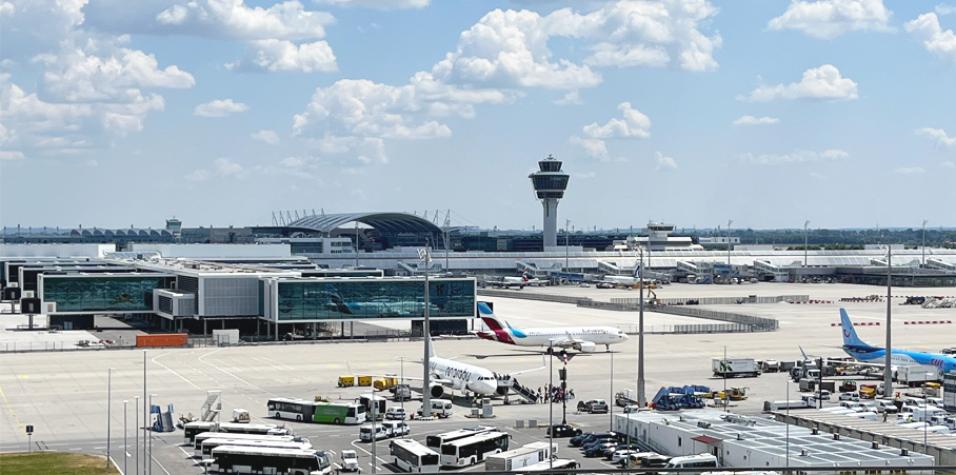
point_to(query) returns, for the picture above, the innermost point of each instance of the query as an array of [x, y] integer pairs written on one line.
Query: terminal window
[[374, 299], [102, 294]]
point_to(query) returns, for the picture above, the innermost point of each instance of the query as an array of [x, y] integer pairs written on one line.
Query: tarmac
[[64, 394]]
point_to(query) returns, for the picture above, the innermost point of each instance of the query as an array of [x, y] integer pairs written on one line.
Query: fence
[[717, 300], [688, 329], [752, 323], [521, 294]]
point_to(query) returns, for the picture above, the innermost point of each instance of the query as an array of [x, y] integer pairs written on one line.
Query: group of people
[[554, 394]]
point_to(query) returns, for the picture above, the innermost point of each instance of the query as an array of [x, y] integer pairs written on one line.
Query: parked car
[[395, 414], [597, 450], [849, 397], [350, 461], [593, 406], [586, 437], [563, 430], [621, 454]]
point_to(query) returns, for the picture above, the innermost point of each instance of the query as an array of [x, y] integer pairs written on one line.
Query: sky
[[695, 112]]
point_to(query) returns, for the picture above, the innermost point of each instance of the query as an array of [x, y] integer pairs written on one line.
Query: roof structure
[[387, 222]]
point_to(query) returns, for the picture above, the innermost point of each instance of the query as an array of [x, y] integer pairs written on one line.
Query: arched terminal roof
[[387, 222]]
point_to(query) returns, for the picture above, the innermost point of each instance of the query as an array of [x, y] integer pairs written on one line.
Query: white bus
[[211, 443], [411, 456], [472, 450], [200, 438], [435, 442], [542, 467], [243, 428], [300, 410], [190, 429], [251, 460]]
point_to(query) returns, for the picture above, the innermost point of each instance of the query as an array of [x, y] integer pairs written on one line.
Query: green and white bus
[[302, 410], [339, 413]]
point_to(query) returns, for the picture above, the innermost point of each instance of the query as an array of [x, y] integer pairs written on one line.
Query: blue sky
[[768, 113]]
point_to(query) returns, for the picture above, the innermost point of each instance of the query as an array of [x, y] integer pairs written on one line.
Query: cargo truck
[[915, 375], [521, 457], [734, 367]]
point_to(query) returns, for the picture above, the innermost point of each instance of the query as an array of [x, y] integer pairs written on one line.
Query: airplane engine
[[587, 347], [437, 391]]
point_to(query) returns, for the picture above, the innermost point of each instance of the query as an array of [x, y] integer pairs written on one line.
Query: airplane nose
[[488, 388]]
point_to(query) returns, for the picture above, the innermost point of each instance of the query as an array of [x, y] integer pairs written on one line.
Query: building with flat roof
[[755, 442]]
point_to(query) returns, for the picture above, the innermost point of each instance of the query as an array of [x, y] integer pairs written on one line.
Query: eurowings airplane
[[863, 352], [583, 339]]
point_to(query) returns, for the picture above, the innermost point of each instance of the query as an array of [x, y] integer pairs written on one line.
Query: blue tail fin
[[850, 337]]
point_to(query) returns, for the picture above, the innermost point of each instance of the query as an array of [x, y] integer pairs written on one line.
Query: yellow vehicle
[[346, 381], [383, 384], [364, 380], [931, 388], [738, 394], [867, 391]]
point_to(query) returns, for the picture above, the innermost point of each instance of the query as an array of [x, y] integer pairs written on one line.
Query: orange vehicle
[[161, 340], [867, 391]]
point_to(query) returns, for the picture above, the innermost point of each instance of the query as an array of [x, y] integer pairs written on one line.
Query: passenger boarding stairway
[[525, 392], [212, 407]]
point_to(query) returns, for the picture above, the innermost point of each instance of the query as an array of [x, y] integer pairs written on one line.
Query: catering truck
[[734, 367]]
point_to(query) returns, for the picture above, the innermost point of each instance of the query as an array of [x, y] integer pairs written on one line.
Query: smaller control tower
[[549, 184]]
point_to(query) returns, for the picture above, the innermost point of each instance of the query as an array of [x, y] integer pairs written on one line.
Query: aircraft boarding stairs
[[514, 387], [212, 407]]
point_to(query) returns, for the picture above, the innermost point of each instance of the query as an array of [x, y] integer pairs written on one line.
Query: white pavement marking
[[160, 465], [228, 373], [380, 459], [167, 368]]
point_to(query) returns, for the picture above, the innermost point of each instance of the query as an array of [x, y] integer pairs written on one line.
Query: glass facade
[[103, 294], [350, 300]]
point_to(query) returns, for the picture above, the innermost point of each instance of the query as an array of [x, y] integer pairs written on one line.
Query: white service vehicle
[[349, 462], [514, 459], [734, 367], [396, 428]]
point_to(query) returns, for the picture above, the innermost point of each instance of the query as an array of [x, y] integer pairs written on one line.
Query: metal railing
[[718, 300]]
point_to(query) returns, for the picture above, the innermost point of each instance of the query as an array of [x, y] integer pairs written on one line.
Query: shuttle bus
[[251, 460], [542, 467], [472, 450], [200, 438], [292, 409], [435, 442], [411, 456], [213, 442], [311, 411], [190, 429], [244, 428]]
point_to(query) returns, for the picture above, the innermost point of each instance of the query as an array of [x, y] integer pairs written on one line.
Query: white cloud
[[664, 162], [941, 42], [7, 9], [799, 156], [944, 9], [632, 124], [198, 175], [827, 19], [822, 83], [910, 170], [227, 168], [571, 98], [751, 120], [287, 20], [510, 48], [11, 155], [937, 135], [379, 4], [219, 108], [31, 124], [79, 75], [281, 55], [947, 164], [266, 135]]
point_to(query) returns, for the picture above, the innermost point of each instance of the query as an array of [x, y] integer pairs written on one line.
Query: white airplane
[[519, 282], [583, 339], [622, 281], [465, 378]]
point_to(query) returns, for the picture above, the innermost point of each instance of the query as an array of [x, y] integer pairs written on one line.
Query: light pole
[[787, 449], [610, 412], [109, 398], [402, 379], [550, 402], [567, 236], [145, 413], [136, 431], [923, 259], [425, 256], [887, 363], [149, 456], [125, 437], [730, 222], [374, 434], [641, 400], [806, 241]]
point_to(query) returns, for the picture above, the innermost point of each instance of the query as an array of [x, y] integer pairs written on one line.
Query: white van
[[396, 428], [440, 408], [365, 432], [702, 461]]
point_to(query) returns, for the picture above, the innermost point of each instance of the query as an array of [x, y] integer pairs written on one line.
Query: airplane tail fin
[[431, 347], [495, 326], [850, 338]]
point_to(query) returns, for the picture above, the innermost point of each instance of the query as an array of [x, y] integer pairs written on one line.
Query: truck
[[915, 375], [521, 457], [771, 406], [734, 367]]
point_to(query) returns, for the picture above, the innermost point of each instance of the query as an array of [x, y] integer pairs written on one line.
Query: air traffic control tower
[[549, 183]]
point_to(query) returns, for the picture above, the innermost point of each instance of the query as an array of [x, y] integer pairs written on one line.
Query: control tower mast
[[549, 183]]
